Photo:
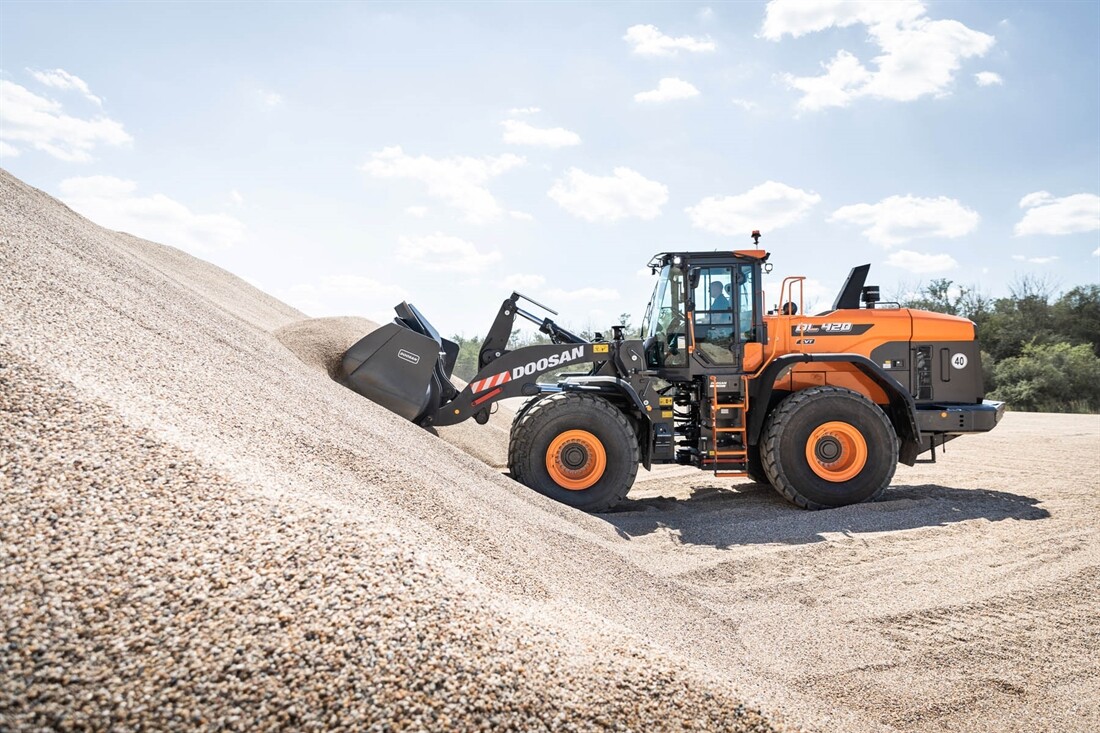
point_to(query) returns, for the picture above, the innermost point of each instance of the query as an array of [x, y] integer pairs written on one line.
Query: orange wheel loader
[[822, 407]]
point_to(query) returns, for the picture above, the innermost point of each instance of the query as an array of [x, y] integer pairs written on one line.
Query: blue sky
[[346, 156]]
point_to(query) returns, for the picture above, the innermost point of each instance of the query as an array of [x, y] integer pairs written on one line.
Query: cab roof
[[711, 256]]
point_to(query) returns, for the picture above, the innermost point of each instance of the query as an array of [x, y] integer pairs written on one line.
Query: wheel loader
[[822, 407]]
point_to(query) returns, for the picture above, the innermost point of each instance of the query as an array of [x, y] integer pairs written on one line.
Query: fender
[[902, 409], [643, 402]]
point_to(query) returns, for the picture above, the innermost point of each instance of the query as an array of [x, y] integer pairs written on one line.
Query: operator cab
[[705, 307]]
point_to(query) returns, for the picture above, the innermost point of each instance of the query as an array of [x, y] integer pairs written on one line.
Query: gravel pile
[[200, 529], [143, 589]]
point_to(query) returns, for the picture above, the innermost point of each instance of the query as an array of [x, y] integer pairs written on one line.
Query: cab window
[[725, 303]]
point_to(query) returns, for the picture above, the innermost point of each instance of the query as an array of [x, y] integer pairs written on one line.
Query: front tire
[[827, 447], [514, 464], [578, 449]]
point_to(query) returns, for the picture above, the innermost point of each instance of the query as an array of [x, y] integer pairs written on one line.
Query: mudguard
[[901, 411]]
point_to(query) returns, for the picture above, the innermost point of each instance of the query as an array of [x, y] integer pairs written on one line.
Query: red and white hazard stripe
[[489, 382]]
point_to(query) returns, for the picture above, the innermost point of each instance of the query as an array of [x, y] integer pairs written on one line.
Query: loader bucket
[[405, 366]]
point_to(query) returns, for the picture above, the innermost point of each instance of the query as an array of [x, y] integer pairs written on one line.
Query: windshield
[[664, 323]]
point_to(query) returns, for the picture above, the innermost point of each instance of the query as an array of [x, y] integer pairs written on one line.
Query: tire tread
[[769, 441], [524, 434]]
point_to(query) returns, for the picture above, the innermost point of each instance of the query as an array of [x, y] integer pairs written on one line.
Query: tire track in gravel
[[1008, 626], [959, 665]]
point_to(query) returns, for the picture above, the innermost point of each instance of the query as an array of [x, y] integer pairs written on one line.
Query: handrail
[[786, 295]]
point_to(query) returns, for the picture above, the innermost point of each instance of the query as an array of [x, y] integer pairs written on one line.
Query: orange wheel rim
[[836, 451], [576, 460]]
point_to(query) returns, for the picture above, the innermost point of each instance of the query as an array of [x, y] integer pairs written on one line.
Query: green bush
[[1056, 377]]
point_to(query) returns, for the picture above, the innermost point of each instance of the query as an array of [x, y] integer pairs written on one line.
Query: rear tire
[[827, 447], [578, 449], [754, 466]]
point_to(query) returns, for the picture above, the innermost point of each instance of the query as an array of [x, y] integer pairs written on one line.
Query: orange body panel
[[855, 331]]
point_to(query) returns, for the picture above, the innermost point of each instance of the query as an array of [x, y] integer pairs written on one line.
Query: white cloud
[[898, 219], [235, 198], [1048, 214], [816, 295], [8, 151], [609, 198], [533, 284], [342, 295], [112, 203], [921, 264], [800, 17], [517, 111], [458, 181], [520, 281], [418, 212], [581, 295], [746, 104], [517, 132], [648, 40], [705, 14], [844, 74], [668, 90], [767, 207], [918, 56], [61, 79], [1096, 252], [1035, 260], [1036, 198], [443, 253], [27, 119], [521, 216], [269, 99], [988, 78]]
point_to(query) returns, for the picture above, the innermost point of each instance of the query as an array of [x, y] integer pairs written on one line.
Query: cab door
[[723, 319]]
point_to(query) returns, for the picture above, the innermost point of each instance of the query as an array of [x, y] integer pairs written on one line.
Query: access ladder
[[716, 455]]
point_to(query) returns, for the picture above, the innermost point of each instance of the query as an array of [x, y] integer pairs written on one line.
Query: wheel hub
[[827, 449], [836, 451], [574, 456], [576, 460]]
